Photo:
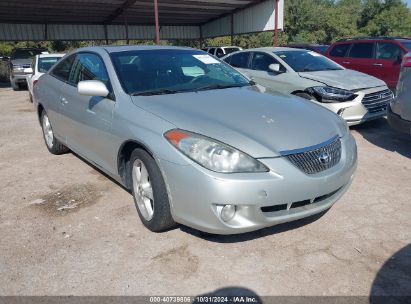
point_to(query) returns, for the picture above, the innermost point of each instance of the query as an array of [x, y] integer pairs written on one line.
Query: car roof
[[125, 48], [373, 39], [275, 49], [50, 55]]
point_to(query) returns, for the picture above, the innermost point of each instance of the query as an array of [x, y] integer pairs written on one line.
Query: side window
[[339, 50], [362, 50], [261, 62], [240, 60], [62, 70], [388, 51], [89, 66], [219, 53], [211, 51], [228, 59]]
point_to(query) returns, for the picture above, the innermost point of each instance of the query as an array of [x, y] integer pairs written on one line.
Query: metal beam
[[157, 22], [119, 10], [276, 23]]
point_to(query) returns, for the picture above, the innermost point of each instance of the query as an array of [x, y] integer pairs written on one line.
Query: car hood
[[21, 61], [344, 79], [259, 124]]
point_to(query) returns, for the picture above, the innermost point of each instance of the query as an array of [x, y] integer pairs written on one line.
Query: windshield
[[322, 48], [151, 72], [307, 61], [407, 45], [230, 50], [46, 63], [25, 54]]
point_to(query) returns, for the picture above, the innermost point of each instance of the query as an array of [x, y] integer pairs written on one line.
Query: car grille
[[317, 159], [378, 101]]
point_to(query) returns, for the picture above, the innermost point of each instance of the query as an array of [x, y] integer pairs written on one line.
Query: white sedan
[[41, 64]]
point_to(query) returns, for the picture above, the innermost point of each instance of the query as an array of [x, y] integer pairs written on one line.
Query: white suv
[[221, 51]]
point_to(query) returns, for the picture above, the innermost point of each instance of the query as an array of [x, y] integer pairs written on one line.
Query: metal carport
[[35, 20]]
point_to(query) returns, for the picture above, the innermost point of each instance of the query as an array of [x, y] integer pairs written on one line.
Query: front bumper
[[397, 122], [354, 112], [195, 192], [18, 78]]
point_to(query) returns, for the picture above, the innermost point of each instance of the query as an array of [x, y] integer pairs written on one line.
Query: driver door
[[90, 117]]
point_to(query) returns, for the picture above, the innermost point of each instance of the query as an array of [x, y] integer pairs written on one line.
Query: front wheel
[[150, 192], [52, 143]]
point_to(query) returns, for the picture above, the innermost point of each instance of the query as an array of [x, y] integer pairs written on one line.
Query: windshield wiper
[[155, 92], [218, 87]]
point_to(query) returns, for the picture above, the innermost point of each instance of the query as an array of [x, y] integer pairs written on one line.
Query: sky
[[409, 3]]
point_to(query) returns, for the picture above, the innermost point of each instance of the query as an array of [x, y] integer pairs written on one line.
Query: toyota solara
[[195, 141]]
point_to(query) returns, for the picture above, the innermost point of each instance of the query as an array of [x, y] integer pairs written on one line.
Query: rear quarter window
[[340, 50], [63, 68]]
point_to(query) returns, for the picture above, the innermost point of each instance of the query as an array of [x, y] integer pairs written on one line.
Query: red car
[[377, 56]]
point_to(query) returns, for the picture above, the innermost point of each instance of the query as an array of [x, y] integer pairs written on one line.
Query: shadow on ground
[[5, 84], [237, 238], [379, 133], [393, 281]]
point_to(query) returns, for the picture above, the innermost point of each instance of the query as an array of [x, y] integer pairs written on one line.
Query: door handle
[[377, 64], [63, 100], [346, 62]]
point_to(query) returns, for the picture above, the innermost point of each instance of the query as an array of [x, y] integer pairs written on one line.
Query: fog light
[[227, 212]]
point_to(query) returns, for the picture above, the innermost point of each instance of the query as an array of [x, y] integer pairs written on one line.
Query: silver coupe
[[195, 141]]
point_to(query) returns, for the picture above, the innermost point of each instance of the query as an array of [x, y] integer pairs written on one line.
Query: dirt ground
[[67, 229]]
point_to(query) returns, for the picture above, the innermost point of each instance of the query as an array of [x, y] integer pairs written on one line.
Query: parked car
[[220, 51], [399, 111], [20, 59], [213, 151], [319, 48], [41, 64], [354, 96], [377, 56]]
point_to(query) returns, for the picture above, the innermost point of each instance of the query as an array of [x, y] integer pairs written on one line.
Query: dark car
[[377, 56], [21, 59], [319, 48]]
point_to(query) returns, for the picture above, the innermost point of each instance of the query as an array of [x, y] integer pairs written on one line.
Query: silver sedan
[[194, 140]]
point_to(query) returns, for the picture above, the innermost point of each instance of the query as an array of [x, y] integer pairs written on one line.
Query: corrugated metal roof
[[113, 19]]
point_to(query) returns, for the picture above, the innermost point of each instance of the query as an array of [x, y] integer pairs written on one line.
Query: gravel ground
[[67, 229]]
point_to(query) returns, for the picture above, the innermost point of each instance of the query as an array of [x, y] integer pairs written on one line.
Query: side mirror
[[399, 59], [92, 88], [275, 67], [28, 71]]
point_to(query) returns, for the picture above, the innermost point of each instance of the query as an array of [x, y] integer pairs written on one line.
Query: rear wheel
[[52, 143], [150, 192]]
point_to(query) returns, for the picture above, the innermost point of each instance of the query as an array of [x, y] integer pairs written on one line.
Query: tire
[[53, 144], [149, 190], [304, 95], [14, 85]]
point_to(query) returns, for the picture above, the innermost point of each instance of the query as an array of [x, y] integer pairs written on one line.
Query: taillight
[[406, 61], [34, 82]]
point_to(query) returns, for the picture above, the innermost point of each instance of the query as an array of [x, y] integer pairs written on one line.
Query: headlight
[[17, 68], [212, 154], [330, 94]]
